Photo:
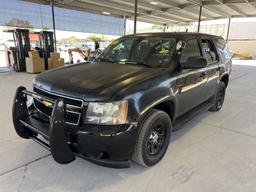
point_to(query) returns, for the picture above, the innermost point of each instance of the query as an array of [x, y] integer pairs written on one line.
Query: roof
[[162, 11], [174, 34]]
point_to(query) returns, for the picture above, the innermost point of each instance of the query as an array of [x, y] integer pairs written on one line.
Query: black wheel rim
[[220, 98], [156, 139]]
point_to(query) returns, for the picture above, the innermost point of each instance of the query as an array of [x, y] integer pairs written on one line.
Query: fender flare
[[159, 101]]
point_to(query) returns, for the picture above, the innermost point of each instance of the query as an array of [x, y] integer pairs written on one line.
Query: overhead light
[[105, 13], [153, 3]]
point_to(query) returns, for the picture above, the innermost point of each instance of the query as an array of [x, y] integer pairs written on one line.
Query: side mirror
[[195, 62]]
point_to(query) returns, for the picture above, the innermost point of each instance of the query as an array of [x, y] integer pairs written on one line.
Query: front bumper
[[110, 146]]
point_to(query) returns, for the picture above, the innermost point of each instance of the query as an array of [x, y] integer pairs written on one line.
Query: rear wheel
[[219, 97], [153, 138]]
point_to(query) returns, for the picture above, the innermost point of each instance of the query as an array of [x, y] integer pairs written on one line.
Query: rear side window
[[191, 49], [209, 51], [223, 48]]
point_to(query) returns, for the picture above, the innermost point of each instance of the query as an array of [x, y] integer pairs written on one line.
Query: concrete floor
[[215, 152]]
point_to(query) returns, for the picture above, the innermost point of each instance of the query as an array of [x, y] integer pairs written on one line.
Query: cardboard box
[[54, 55], [58, 63], [55, 61], [35, 65], [61, 61], [33, 54]]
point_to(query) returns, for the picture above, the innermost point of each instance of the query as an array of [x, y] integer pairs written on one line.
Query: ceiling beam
[[96, 9], [44, 2], [113, 5], [166, 12], [170, 16], [58, 2], [141, 5], [252, 3], [214, 10], [236, 9], [166, 20], [225, 4], [129, 8], [232, 4], [151, 21], [174, 9], [239, 1], [153, 10], [190, 8]]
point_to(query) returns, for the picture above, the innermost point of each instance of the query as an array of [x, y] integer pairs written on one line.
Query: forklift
[[21, 49], [46, 45]]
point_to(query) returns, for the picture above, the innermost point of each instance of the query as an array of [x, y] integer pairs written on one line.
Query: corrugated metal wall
[[39, 16]]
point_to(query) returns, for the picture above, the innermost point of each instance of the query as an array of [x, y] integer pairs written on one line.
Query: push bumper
[[111, 148]]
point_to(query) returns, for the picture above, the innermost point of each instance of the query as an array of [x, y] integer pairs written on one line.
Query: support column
[[199, 18], [53, 23], [229, 22], [124, 32], [135, 16], [165, 27]]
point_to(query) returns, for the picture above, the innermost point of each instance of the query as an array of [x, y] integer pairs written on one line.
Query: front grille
[[74, 107]]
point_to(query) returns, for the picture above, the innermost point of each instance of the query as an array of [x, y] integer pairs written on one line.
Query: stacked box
[[55, 61], [33, 54], [34, 63]]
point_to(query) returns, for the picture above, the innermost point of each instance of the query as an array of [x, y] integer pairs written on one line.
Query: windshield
[[147, 51]]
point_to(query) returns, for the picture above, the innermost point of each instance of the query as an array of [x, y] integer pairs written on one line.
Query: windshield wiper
[[143, 63], [105, 60]]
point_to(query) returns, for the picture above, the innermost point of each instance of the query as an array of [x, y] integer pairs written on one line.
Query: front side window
[[191, 49], [147, 51]]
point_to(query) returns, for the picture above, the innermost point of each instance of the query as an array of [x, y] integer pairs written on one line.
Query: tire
[[153, 138], [219, 97]]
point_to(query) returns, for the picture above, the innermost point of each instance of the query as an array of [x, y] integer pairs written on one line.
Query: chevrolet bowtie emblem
[[47, 104]]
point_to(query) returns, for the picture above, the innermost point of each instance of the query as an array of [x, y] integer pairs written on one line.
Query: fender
[[222, 75], [158, 101]]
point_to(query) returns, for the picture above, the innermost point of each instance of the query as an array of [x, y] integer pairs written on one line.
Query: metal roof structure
[[40, 17], [162, 11]]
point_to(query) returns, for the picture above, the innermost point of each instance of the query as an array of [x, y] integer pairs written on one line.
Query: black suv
[[127, 102]]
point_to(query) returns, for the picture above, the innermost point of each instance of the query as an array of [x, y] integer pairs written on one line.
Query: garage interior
[[213, 152]]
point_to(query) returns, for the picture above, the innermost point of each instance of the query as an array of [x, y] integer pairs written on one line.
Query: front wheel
[[219, 97], [153, 138]]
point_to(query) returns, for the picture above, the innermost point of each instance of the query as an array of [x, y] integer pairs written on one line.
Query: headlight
[[107, 113]]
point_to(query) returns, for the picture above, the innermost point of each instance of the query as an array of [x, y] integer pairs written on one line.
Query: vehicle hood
[[93, 82]]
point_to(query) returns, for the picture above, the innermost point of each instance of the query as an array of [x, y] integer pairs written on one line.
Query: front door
[[210, 54], [190, 82]]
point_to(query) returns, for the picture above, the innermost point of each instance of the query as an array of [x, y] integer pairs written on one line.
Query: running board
[[189, 116]]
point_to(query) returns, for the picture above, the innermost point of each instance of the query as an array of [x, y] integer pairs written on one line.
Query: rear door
[[190, 81], [209, 52]]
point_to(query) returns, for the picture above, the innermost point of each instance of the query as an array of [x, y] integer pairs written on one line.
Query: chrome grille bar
[[71, 109]]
